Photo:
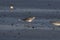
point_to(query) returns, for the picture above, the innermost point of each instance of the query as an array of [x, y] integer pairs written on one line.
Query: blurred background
[[46, 25]]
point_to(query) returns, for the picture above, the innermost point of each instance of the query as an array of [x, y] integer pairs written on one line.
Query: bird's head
[[33, 17]]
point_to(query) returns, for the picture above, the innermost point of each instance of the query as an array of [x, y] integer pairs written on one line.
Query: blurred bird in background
[[11, 7]]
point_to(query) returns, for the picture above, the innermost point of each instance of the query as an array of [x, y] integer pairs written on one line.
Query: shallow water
[[21, 30], [41, 28]]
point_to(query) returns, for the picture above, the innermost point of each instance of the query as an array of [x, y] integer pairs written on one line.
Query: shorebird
[[56, 23], [11, 7], [28, 19]]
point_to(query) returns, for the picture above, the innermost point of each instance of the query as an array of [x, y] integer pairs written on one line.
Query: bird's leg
[[30, 25], [25, 25]]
